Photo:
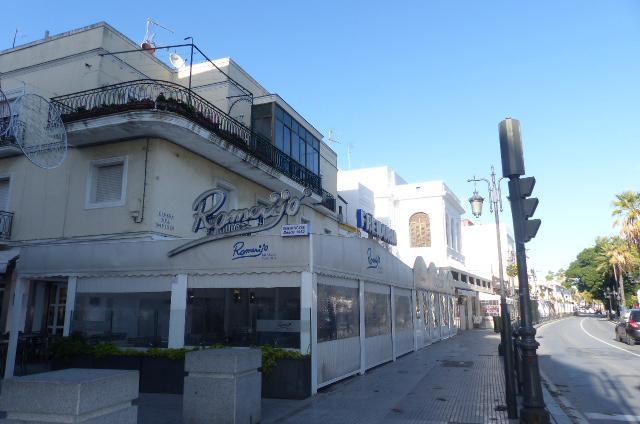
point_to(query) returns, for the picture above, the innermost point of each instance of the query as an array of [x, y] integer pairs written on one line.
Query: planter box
[[289, 379], [157, 375], [162, 375]]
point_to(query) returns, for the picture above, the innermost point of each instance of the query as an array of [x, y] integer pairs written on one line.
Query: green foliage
[[271, 355], [69, 347], [512, 270]]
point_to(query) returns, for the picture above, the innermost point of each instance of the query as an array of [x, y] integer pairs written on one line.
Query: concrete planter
[[157, 375], [289, 379]]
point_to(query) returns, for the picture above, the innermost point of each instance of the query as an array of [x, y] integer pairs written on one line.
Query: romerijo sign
[[209, 216]]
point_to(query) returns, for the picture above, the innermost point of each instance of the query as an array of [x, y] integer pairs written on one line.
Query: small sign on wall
[[294, 230], [165, 220]]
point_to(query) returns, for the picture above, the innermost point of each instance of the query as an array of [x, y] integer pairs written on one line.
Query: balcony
[[162, 96], [328, 201], [6, 219]]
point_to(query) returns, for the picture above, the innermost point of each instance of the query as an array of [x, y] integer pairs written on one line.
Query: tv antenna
[[39, 131], [149, 43], [350, 146]]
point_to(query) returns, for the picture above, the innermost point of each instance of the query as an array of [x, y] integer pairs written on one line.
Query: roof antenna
[[350, 147], [148, 43]]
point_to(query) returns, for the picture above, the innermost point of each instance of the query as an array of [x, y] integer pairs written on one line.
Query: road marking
[[626, 418], [607, 343]]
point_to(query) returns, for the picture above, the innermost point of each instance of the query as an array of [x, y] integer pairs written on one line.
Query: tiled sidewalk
[[459, 380]]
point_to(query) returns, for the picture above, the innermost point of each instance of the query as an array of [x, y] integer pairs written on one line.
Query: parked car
[[628, 328]]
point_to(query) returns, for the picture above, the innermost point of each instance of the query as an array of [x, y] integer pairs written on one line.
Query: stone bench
[[75, 395], [223, 386]]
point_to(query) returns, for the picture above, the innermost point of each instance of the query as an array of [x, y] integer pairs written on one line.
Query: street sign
[[294, 230]]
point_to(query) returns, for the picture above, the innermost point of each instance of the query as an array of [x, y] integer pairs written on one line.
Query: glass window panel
[[403, 313], [433, 304], [279, 113], [302, 133], [286, 146], [310, 158], [316, 143], [338, 312], [301, 150], [279, 135], [294, 127], [125, 319], [377, 314], [295, 146], [420, 230], [288, 120]]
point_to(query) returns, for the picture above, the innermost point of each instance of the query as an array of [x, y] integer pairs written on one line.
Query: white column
[[314, 336], [363, 353], [72, 283], [414, 318], [178, 310], [18, 304], [306, 300], [393, 323]]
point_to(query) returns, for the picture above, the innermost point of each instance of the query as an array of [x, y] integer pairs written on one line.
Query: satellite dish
[[177, 61], [39, 131], [5, 114]]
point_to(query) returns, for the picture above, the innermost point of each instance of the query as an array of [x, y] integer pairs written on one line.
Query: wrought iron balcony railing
[[328, 201], [149, 94], [6, 218]]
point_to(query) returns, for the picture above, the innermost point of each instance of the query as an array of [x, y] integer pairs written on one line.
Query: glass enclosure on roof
[[288, 135]]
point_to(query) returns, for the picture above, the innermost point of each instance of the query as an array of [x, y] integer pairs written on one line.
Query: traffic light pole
[[507, 338], [533, 409]]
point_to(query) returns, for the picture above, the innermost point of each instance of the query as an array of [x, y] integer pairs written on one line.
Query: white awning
[[7, 256]]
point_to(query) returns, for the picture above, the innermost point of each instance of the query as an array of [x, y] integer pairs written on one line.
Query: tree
[[615, 254], [588, 278], [627, 216], [512, 270]]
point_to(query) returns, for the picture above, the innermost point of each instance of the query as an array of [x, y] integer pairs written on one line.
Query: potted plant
[[286, 374]]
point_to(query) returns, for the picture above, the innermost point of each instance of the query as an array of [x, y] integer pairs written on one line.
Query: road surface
[[598, 375]]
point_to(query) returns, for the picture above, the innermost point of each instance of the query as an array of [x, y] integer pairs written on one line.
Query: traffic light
[[523, 207]]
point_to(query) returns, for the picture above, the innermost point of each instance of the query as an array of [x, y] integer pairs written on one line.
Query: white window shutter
[[4, 194], [108, 183]]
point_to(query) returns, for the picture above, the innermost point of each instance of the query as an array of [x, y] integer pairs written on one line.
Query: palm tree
[[614, 254], [627, 216]]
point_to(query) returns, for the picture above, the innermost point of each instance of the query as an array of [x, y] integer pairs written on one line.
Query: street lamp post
[[495, 206]]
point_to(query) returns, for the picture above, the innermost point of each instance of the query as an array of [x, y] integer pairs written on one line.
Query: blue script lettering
[[240, 252], [374, 261]]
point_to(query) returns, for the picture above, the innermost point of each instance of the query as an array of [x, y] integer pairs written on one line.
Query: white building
[[164, 226], [480, 247], [426, 217]]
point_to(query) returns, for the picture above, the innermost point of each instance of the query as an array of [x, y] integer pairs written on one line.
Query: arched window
[[420, 230]]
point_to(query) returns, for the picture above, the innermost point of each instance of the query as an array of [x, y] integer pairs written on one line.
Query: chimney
[[46, 35]]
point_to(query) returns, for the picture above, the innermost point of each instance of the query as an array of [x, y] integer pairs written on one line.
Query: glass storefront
[[338, 312], [403, 313], [243, 317], [377, 314], [125, 319]]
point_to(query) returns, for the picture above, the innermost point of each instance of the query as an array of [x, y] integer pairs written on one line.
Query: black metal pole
[[507, 339], [190, 66], [533, 409]]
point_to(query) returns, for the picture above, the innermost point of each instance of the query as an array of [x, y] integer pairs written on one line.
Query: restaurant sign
[[210, 216], [375, 228]]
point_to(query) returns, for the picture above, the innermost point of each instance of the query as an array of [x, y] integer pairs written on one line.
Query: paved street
[[597, 374], [458, 380]]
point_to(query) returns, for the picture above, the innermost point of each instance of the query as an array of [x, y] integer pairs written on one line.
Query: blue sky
[[422, 85]]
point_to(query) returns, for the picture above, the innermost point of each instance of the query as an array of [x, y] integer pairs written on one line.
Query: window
[[298, 143], [403, 313], [243, 317], [124, 319], [338, 312], [420, 230], [377, 314], [4, 194], [107, 183]]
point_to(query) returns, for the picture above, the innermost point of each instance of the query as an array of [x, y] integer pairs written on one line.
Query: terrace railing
[[149, 94], [6, 219]]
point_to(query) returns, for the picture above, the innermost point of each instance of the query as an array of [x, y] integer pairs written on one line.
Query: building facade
[[189, 215], [427, 219]]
